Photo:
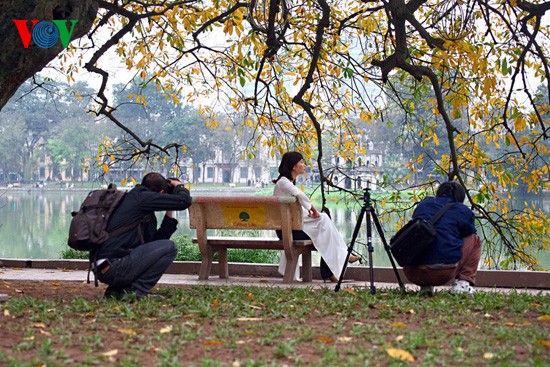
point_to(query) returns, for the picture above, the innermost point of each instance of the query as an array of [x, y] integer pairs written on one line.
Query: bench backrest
[[245, 212]]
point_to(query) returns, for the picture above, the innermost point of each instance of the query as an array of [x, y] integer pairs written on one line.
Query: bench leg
[[206, 264], [290, 270], [306, 266], [222, 263]]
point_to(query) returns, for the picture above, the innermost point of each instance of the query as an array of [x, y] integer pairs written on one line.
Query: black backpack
[[414, 238], [88, 228]]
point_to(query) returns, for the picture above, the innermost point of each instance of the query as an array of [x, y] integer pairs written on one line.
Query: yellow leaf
[[6, 312], [111, 353], [398, 324], [436, 139], [488, 355], [543, 343], [400, 354], [344, 339], [325, 339], [350, 291], [126, 331], [215, 303], [166, 329], [544, 318], [249, 319], [105, 168], [213, 342]]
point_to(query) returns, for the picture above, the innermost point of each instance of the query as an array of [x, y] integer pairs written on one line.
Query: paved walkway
[[10, 273]]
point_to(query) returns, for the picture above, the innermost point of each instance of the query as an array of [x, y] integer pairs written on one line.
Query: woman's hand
[[313, 213]]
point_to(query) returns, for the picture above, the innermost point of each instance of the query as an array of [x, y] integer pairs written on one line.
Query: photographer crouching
[[137, 254]]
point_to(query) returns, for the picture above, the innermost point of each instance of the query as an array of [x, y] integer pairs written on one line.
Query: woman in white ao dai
[[318, 226]]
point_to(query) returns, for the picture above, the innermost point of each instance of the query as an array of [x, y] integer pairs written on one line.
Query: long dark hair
[[289, 160], [452, 189]]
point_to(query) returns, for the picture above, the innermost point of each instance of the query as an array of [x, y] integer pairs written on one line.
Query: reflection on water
[[34, 225]]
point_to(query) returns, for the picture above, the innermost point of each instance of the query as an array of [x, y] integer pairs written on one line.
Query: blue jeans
[[140, 270]]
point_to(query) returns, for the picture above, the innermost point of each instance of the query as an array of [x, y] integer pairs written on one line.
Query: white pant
[[327, 240]]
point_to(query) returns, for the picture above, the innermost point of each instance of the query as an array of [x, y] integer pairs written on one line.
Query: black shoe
[[136, 295], [114, 293], [332, 279]]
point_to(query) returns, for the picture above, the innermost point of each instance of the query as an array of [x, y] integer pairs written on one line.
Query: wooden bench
[[249, 213]]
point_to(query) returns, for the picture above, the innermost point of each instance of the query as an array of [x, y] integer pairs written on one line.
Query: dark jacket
[[141, 204], [455, 224]]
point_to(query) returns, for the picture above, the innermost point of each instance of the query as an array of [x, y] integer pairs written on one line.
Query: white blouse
[[284, 187]]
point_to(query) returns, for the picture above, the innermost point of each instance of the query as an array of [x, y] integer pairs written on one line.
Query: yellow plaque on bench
[[245, 216]]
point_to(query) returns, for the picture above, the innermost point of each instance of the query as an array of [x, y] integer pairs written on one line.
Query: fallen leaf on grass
[[543, 343], [509, 323], [249, 319], [325, 339], [344, 339], [6, 312], [400, 354], [398, 324], [488, 355], [411, 311], [350, 291], [39, 325], [126, 331], [544, 318], [110, 353], [213, 342], [166, 329]]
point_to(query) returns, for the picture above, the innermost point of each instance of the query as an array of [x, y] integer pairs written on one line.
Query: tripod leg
[[387, 248], [371, 250], [350, 247]]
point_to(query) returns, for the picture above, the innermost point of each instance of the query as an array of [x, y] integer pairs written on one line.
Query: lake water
[[34, 224]]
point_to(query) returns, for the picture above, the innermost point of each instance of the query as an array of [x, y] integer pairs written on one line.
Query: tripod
[[369, 211]]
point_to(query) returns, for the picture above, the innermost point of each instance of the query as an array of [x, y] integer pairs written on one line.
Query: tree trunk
[[18, 63]]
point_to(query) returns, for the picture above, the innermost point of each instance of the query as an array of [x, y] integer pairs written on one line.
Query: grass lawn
[[54, 324]]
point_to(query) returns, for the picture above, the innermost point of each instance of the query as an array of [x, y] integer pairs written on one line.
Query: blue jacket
[[452, 227]]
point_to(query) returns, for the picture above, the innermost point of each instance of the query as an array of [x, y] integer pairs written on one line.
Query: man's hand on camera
[[172, 181]]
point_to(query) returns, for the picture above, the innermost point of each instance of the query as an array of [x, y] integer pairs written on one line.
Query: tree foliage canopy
[[470, 77]]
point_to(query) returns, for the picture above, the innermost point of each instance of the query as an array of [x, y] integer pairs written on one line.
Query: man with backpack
[[456, 250], [132, 261]]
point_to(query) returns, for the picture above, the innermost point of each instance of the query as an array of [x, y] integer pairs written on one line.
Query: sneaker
[[427, 290], [462, 287]]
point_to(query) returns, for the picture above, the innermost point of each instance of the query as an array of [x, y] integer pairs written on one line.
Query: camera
[[170, 189]]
